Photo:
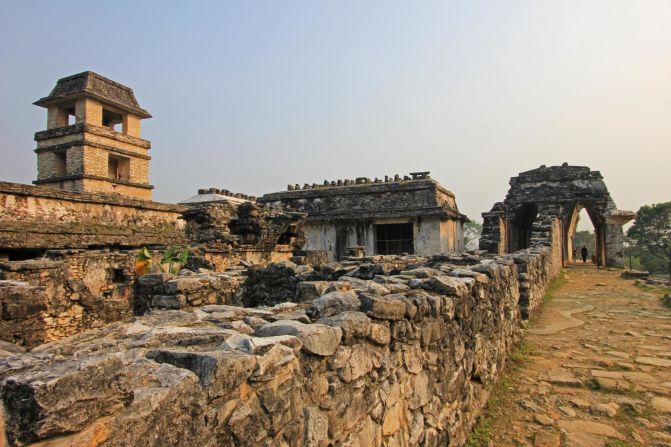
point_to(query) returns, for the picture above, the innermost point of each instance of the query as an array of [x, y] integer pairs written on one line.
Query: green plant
[[171, 262], [479, 436]]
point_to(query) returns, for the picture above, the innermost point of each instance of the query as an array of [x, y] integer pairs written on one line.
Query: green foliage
[[500, 395], [472, 233], [479, 436], [171, 262], [650, 236]]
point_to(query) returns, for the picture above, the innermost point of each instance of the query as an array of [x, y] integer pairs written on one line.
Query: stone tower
[[92, 142]]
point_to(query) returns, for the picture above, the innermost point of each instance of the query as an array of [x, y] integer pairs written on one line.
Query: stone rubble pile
[[188, 289]]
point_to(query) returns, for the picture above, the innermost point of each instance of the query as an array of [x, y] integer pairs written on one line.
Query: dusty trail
[[597, 369]]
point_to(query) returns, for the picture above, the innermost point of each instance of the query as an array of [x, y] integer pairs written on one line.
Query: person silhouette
[[583, 253]]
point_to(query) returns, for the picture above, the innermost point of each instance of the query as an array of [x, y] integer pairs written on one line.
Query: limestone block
[[365, 285], [446, 285], [63, 398], [168, 301], [338, 286], [316, 427], [333, 303], [382, 308], [317, 339], [220, 372], [354, 325]]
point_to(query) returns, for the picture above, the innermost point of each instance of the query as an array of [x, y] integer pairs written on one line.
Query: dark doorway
[[520, 237], [394, 239]]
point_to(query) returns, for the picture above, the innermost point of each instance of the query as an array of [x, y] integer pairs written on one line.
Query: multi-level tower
[[92, 142]]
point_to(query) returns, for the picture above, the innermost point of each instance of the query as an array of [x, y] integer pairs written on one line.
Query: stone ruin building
[[67, 245], [559, 192], [411, 214], [293, 322], [92, 142]]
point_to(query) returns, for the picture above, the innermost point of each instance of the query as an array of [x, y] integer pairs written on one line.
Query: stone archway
[[558, 192], [570, 227]]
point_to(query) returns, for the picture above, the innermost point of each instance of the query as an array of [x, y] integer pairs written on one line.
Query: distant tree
[[472, 233], [585, 238], [651, 233], [631, 252]]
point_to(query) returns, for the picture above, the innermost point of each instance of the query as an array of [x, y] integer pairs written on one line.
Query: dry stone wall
[[63, 294], [403, 358], [40, 218]]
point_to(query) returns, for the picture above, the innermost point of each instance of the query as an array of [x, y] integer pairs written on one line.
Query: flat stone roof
[[406, 197]]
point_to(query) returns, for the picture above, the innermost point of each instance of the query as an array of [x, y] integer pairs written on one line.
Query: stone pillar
[[131, 125], [89, 111], [493, 238], [57, 116], [614, 245]]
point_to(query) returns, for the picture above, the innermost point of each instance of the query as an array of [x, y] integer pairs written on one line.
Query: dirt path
[[595, 369]]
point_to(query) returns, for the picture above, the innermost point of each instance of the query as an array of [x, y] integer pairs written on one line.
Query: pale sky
[[250, 96]]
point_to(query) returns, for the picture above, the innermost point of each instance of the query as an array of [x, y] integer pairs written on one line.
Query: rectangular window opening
[[112, 120], [60, 164], [394, 239], [118, 168]]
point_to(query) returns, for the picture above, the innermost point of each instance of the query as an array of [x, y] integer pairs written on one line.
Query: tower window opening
[[112, 120], [60, 164], [118, 168], [72, 119]]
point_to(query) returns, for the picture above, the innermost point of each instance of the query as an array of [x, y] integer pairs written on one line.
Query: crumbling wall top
[[416, 194]]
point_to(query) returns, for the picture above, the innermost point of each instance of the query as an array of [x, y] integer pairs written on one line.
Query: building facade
[[413, 215]]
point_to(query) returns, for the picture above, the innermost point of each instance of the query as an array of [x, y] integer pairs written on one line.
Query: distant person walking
[[583, 253]]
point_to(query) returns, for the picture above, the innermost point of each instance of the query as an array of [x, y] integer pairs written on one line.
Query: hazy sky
[[252, 95]]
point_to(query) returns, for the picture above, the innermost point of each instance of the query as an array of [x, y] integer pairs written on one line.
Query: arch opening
[[579, 236], [520, 228]]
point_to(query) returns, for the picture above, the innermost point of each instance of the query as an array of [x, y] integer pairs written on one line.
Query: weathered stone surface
[[654, 361], [365, 285], [354, 325], [218, 372], [382, 307], [588, 432], [317, 339], [661, 404], [333, 303], [446, 285], [63, 399], [309, 290]]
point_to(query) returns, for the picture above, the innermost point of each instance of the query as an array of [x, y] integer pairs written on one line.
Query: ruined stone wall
[[33, 217], [223, 235], [404, 356], [187, 290], [64, 294], [89, 283]]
